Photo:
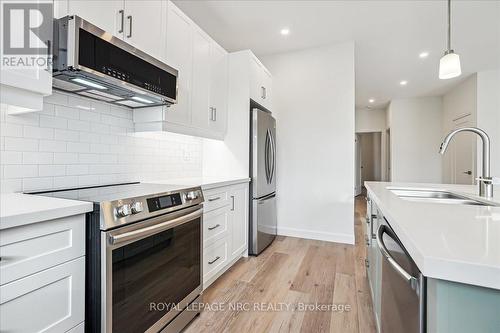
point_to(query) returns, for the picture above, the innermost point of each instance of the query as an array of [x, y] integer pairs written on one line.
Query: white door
[[239, 220], [107, 15], [464, 153], [357, 165], [145, 26], [200, 79], [180, 57], [218, 88]]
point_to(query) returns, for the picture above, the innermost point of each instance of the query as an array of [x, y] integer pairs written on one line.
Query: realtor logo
[[27, 28]]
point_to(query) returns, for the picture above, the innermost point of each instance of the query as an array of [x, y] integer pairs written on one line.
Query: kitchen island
[[454, 243]]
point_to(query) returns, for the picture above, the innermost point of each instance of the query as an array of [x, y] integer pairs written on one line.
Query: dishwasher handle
[[413, 281]]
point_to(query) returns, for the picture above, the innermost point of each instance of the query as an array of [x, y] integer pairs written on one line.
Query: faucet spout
[[485, 184]]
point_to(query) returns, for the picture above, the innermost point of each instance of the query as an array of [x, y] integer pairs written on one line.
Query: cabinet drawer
[[32, 248], [214, 199], [214, 258], [215, 225], [49, 301]]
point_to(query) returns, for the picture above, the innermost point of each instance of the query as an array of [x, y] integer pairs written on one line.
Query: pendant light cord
[[449, 26]]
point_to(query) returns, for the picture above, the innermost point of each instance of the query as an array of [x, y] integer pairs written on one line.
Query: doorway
[[463, 152], [368, 162]]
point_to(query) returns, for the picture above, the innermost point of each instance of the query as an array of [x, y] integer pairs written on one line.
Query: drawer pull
[[211, 262], [213, 199], [214, 227], [367, 263]]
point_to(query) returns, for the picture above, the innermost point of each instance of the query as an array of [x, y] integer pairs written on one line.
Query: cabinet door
[[200, 79], [218, 88], [256, 84], [267, 89], [239, 220], [50, 301], [179, 56], [145, 26], [107, 15]]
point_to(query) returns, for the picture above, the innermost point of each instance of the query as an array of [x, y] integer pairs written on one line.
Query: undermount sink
[[436, 196]]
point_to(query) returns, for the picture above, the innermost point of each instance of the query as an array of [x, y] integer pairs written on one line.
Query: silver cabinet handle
[[154, 229], [122, 20], [48, 55], [211, 113], [211, 262], [215, 114], [413, 281], [263, 92], [214, 227], [232, 204], [129, 17], [213, 199]]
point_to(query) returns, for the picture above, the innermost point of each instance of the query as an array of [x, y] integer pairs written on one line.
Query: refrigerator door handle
[[266, 158], [273, 151], [265, 198]]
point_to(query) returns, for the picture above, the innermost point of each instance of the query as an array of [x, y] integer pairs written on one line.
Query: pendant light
[[449, 64]]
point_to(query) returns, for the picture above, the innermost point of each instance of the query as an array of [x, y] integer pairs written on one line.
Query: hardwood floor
[[269, 293]]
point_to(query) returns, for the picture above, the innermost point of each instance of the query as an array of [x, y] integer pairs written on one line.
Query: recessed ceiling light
[[423, 55], [403, 83], [285, 31], [371, 100]]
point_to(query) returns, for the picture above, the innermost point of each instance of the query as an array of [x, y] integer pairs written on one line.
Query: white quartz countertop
[[206, 183], [458, 243], [17, 209]]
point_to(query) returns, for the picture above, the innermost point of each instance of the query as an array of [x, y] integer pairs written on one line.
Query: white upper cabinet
[[218, 89], [144, 26], [107, 15], [200, 79], [202, 84], [179, 47], [260, 83]]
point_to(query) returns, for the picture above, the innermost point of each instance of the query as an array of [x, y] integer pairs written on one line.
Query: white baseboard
[[317, 235]]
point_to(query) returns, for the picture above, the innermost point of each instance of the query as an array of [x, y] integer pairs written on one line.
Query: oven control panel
[[163, 202]]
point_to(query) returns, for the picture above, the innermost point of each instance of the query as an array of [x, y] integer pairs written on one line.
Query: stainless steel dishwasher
[[403, 286]]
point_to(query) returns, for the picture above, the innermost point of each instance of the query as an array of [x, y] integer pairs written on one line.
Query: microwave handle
[[154, 229], [413, 281]]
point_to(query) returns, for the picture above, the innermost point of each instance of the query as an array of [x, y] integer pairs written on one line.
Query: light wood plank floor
[[291, 272]]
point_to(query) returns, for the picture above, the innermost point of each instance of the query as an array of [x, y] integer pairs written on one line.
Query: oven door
[[151, 271]]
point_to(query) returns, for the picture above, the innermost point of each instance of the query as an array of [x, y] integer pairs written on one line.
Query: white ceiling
[[389, 35]]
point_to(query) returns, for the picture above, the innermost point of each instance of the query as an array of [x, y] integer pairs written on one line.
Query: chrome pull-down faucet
[[485, 182]]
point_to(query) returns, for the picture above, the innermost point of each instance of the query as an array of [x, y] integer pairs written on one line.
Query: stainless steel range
[[143, 256]]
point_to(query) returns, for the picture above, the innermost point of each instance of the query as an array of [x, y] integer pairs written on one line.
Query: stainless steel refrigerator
[[262, 230]]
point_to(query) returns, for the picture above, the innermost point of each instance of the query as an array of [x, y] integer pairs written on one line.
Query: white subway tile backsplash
[[78, 147], [38, 132], [20, 144], [53, 122], [33, 184], [78, 125], [65, 158], [67, 112], [52, 146], [52, 170], [11, 157], [80, 142], [66, 135], [20, 171], [38, 158]]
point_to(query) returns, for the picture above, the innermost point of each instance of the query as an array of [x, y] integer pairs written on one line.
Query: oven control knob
[[136, 207], [123, 211], [192, 195]]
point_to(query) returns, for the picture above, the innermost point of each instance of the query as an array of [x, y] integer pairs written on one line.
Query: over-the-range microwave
[[91, 62]]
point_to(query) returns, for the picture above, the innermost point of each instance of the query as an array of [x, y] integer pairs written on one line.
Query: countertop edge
[[438, 268], [224, 183]]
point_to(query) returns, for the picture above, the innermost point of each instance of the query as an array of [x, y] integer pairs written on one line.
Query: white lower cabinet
[[225, 225], [42, 285], [49, 301]]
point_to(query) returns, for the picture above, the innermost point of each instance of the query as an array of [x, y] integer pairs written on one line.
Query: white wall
[[79, 142], [488, 114], [416, 134], [313, 101], [457, 103]]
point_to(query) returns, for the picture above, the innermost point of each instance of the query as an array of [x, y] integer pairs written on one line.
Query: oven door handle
[[413, 281], [154, 229]]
